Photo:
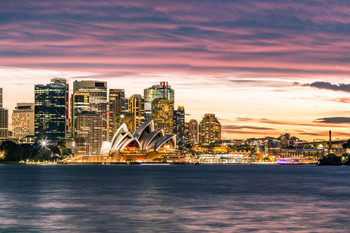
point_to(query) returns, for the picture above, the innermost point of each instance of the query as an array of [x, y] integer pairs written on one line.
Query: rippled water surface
[[206, 198]]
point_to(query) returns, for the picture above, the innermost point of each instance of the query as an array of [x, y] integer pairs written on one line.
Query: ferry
[[289, 161]]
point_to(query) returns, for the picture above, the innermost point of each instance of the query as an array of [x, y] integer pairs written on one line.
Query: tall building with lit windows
[[160, 91], [136, 106], [116, 106], [23, 121], [179, 125], [51, 111], [192, 132], [89, 133], [3, 119], [127, 118], [163, 114], [3, 123], [209, 130], [89, 116], [64, 82], [97, 92], [79, 104]]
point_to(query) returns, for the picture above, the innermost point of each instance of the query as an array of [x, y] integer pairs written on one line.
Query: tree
[[346, 145]]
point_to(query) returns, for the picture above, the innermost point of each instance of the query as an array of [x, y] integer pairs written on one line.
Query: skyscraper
[[63, 81], [3, 119], [162, 115], [98, 94], [3, 123], [23, 121], [88, 136], [137, 108], [50, 111], [116, 107], [161, 91], [179, 125], [79, 103], [193, 132], [209, 130], [89, 115]]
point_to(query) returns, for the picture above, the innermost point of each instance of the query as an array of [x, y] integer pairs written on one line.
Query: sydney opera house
[[145, 144]]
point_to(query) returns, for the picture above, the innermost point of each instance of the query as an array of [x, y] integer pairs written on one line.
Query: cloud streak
[[330, 86], [261, 37], [220, 53], [334, 120]]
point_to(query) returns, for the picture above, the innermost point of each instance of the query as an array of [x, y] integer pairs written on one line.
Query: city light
[[43, 143]]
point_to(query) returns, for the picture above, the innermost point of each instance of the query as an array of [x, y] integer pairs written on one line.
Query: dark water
[[174, 198]]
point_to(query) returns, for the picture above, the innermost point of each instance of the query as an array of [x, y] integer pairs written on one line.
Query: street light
[[43, 143]]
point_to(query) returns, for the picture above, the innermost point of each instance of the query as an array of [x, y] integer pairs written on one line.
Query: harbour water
[[206, 198]]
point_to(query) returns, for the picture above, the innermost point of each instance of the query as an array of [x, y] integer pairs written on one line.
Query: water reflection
[[174, 198]]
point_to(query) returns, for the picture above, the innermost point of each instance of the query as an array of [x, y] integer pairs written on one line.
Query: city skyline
[[285, 73]]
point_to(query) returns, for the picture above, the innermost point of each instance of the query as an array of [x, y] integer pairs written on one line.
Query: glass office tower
[[161, 91], [51, 105]]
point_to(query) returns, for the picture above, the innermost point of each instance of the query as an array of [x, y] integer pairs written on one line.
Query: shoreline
[[151, 164]]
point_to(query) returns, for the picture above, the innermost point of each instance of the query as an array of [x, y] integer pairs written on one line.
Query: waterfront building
[[23, 121], [4, 124], [147, 143], [193, 132], [179, 125], [89, 103], [211, 149], [162, 114], [161, 91], [116, 105], [88, 136], [136, 106], [209, 130], [51, 111]]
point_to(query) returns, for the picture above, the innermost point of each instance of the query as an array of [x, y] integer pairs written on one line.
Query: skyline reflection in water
[[212, 198]]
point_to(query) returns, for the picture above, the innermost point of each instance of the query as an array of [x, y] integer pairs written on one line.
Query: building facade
[[79, 104], [4, 123], [89, 115], [136, 107], [65, 83], [126, 118], [50, 111], [179, 125], [161, 91], [97, 96], [89, 134], [193, 132], [23, 121], [209, 130], [163, 115], [116, 106]]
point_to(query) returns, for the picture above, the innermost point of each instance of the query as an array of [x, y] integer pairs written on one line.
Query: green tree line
[[13, 152]]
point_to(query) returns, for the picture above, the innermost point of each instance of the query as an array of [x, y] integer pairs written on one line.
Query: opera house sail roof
[[144, 139]]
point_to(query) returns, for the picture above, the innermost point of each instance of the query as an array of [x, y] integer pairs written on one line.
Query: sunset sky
[[263, 67]]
